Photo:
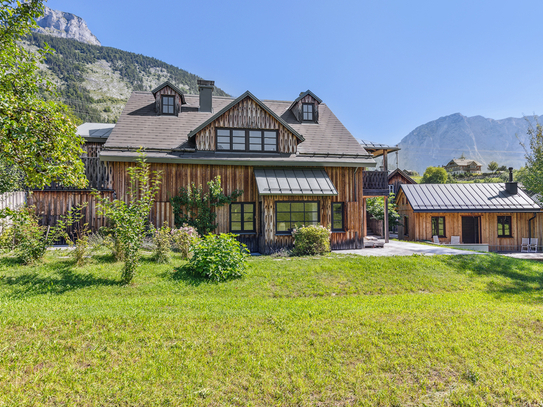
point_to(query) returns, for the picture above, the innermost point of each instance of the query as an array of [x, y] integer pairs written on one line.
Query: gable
[[305, 98], [246, 114], [168, 91]]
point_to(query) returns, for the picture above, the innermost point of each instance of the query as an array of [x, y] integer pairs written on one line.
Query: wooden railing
[[98, 173], [375, 183]]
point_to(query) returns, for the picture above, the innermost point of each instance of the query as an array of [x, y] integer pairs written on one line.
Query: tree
[[434, 175], [36, 136], [130, 217], [493, 166], [533, 175], [376, 208], [196, 208]]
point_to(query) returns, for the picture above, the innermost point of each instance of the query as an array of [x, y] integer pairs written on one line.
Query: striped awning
[[294, 181]]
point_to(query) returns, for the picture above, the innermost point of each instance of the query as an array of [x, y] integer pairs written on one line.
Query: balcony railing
[[98, 173], [375, 183]]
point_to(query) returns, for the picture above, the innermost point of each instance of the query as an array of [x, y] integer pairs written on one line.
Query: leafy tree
[[376, 208], [131, 217], [493, 166], [533, 176], [434, 175], [196, 208], [502, 168], [36, 136]]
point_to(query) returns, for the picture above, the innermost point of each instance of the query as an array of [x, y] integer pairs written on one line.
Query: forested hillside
[[96, 81]]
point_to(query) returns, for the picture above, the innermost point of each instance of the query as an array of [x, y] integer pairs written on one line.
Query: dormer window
[[307, 112], [168, 104]]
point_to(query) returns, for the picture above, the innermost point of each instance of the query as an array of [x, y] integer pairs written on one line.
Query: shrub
[[218, 257], [183, 239], [313, 239], [162, 243]]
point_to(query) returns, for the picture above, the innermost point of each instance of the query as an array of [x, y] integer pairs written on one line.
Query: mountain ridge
[[477, 137], [65, 25]]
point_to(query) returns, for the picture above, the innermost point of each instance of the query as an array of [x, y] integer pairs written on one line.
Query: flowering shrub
[[183, 239], [312, 239], [219, 257], [162, 243]]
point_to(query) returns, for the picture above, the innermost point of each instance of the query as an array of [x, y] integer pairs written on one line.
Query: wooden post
[[385, 161], [364, 224], [385, 221]]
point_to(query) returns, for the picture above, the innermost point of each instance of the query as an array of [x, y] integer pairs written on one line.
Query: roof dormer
[[306, 107], [168, 99]]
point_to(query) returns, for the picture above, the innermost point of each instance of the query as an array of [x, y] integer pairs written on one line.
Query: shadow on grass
[[184, 273], [516, 276], [64, 279]]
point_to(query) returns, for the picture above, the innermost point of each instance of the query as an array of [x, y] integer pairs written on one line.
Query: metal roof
[[377, 149], [95, 132], [479, 197], [294, 181]]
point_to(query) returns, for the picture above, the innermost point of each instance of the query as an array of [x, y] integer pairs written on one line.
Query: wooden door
[[470, 229]]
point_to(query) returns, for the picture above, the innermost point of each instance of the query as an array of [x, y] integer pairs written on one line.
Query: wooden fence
[[11, 200]]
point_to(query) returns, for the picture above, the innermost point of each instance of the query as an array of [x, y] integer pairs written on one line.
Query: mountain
[[478, 138], [96, 81], [65, 25]]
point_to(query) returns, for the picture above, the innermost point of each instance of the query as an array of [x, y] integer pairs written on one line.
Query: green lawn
[[329, 331]]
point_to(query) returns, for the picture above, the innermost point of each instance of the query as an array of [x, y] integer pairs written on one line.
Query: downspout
[[355, 185]]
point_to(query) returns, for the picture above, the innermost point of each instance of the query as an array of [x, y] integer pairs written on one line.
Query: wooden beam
[[385, 221]]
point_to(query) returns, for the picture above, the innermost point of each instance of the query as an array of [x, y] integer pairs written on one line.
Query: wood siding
[[175, 176], [247, 114], [420, 226], [397, 180]]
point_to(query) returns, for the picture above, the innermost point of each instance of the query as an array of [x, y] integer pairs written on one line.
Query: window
[[242, 217], [406, 225], [289, 215], [391, 189], [438, 226], [504, 226], [307, 112], [337, 217], [246, 140], [168, 104]]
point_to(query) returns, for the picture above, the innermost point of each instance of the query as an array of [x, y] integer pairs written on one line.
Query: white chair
[[436, 239], [455, 239], [533, 245], [525, 246]]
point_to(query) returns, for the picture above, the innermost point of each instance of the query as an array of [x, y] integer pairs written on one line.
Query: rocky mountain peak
[[65, 25]]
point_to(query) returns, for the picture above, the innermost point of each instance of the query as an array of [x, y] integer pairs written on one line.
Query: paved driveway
[[399, 248]]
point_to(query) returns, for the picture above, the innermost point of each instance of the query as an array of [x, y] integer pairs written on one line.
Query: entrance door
[[470, 229]]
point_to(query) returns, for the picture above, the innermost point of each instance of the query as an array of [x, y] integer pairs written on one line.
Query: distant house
[[498, 215], [463, 165], [397, 178]]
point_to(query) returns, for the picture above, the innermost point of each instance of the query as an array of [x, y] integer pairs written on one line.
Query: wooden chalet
[[463, 165], [294, 160], [397, 178], [495, 215]]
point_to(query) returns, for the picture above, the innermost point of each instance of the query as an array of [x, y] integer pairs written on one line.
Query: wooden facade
[[397, 178], [246, 115], [265, 240], [419, 226]]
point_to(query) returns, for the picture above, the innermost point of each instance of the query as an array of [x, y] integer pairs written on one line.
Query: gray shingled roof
[[467, 198], [294, 181], [139, 125]]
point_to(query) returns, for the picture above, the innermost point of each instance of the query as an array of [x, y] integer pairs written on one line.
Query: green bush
[[309, 240], [218, 257], [162, 242]]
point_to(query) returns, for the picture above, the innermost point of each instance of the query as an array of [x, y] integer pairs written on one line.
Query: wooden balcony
[[375, 183], [98, 173]]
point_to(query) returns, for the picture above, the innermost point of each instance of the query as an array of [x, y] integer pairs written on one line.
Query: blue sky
[[384, 67]]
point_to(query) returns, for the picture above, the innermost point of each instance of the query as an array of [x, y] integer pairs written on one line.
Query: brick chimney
[[205, 88]]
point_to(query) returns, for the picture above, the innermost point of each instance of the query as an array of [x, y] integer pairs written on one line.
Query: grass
[[330, 331]]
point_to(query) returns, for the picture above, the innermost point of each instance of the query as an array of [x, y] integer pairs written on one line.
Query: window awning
[[294, 181]]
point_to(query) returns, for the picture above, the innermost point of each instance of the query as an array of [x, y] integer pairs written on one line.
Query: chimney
[[511, 187], [205, 88]]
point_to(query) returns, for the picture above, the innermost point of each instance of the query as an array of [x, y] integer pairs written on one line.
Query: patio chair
[[533, 245], [436, 239], [455, 239], [525, 246]]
